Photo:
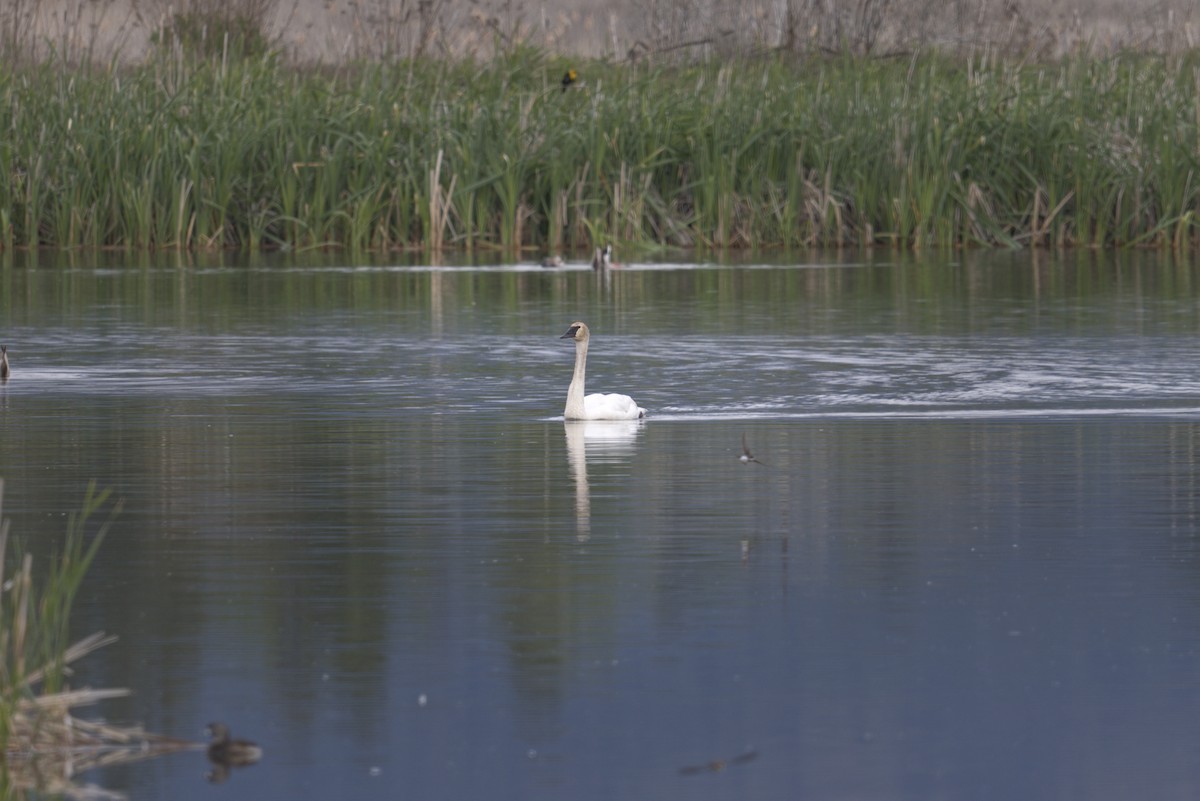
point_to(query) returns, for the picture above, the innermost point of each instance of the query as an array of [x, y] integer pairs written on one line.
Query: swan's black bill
[[571, 332]]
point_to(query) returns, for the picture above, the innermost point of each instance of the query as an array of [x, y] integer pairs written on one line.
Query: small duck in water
[[553, 261], [225, 751]]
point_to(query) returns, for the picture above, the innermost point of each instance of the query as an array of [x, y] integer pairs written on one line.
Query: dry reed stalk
[[1035, 227], [639, 212], [61, 749], [620, 189], [74, 653], [47, 746], [558, 223], [579, 232], [440, 205], [524, 212], [22, 589]]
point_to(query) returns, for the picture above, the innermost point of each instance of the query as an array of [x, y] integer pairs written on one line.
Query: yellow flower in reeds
[[569, 78]]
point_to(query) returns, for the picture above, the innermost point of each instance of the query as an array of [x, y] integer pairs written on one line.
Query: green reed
[[926, 152], [35, 609], [45, 745]]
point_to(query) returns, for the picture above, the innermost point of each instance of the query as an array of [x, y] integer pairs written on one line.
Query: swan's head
[[578, 332]]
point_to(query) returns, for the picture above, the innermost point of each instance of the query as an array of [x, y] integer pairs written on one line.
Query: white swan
[[597, 406]]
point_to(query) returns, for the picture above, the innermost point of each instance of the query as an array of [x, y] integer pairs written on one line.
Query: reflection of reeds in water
[[45, 746], [48, 747]]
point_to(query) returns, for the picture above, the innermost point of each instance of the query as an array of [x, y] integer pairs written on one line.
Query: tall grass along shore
[[916, 152]]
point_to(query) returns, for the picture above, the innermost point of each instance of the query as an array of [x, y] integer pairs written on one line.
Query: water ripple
[[714, 377]]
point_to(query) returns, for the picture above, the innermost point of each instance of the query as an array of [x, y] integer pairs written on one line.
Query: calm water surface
[[357, 529]]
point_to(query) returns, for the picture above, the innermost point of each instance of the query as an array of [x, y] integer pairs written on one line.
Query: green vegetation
[[34, 639], [926, 152], [44, 746], [35, 615]]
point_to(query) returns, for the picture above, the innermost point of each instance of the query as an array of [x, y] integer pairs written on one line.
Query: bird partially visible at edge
[[747, 457]]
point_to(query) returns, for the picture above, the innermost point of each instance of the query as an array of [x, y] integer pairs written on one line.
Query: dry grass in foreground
[[45, 745]]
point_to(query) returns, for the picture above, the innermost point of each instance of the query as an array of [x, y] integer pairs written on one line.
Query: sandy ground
[[333, 31]]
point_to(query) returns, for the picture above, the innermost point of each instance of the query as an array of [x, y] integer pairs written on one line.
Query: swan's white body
[[598, 406]]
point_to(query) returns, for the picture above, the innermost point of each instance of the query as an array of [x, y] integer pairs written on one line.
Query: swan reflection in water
[[599, 440]]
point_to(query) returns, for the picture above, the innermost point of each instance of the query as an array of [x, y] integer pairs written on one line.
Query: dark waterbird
[[602, 258], [718, 765], [747, 457], [224, 752]]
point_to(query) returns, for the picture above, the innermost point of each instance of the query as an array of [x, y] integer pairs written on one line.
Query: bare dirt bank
[[334, 31]]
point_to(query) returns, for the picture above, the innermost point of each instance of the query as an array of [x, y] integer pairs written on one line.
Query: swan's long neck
[[574, 410]]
